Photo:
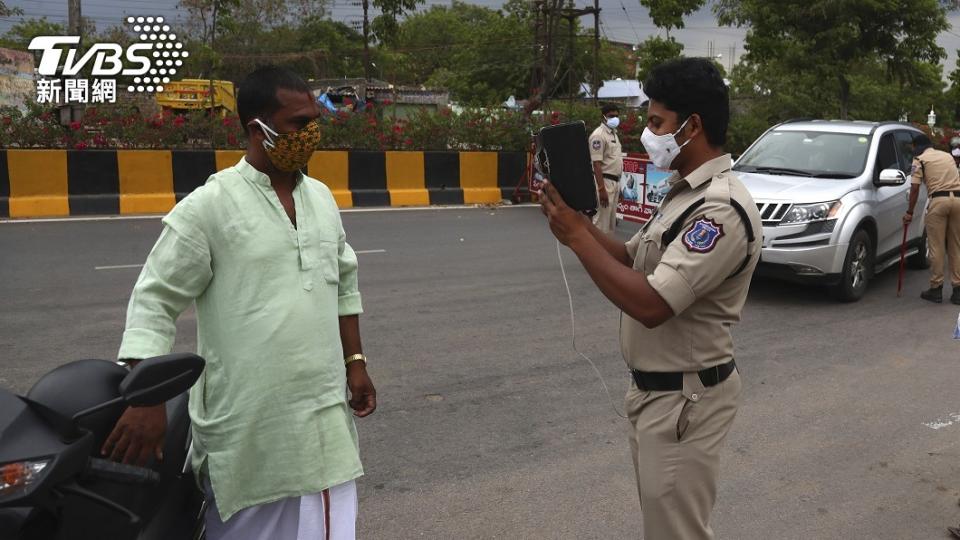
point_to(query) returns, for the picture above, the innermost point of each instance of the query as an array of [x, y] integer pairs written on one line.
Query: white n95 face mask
[[613, 122], [662, 149]]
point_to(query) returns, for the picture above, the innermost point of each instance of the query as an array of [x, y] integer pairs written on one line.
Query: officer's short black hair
[[921, 142], [257, 94], [693, 86], [609, 108]]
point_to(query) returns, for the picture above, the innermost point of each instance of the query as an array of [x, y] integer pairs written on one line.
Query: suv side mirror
[[892, 177], [156, 380]]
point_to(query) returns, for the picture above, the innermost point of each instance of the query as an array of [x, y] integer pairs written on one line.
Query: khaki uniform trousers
[[676, 441], [606, 218], [943, 237]]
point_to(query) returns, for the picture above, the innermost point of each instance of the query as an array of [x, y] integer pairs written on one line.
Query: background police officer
[[681, 283], [607, 156], [936, 169]]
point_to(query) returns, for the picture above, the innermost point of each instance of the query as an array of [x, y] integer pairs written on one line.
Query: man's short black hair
[[257, 94], [609, 108], [920, 143], [693, 86]]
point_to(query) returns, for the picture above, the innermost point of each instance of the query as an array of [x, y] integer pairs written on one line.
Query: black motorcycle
[[53, 484]]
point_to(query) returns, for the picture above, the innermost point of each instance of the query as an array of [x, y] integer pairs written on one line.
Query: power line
[[324, 53], [624, 8]]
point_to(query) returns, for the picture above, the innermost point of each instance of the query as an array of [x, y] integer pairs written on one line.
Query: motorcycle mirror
[[156, 380]]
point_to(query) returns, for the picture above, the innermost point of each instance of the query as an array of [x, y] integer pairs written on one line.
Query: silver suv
[[831, 196]]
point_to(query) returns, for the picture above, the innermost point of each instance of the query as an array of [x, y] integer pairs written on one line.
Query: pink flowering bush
[[114, 127]]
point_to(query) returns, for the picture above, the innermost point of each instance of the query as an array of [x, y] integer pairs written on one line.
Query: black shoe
[[933, 294], [955, 297], [954, 531]]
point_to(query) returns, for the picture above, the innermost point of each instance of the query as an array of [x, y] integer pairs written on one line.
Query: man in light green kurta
[[275, 287]]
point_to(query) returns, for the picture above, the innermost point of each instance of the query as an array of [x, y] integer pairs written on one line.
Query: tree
[[669, 14], [9, 11], [386, 25], [481, 55], [832, 39], [952, 96], [20, 34], [654, 51]]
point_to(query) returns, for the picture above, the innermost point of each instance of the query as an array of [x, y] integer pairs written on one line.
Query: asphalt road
[[490, 426]]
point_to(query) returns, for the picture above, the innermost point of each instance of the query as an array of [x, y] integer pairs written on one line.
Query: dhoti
[[328, 515]]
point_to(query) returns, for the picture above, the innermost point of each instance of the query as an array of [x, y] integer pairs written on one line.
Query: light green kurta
[[270, 417]]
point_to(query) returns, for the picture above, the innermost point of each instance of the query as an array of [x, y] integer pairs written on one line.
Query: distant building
[[628, 93]]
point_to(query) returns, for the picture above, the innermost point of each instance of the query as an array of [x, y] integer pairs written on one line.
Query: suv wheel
[[857, 268], [920, 261]]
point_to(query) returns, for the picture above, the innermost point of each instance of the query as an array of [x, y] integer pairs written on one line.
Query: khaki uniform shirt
[[694, 273], [937, 170], [605, 148]]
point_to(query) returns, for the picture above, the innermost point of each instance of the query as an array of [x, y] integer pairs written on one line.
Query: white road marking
[[7, 221], [75, 218], [364, 252], [117, 267], [940, 423]]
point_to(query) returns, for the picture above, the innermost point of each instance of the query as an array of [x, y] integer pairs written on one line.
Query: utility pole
[[549, 13], [73, 18], [213, 60], [574, 87], [596, 50], [536, 74], [571, 15], [366, 41]]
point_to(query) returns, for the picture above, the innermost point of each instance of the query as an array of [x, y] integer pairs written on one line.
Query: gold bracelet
[[354, 358]]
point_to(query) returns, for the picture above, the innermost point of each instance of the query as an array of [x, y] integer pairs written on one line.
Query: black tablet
[[563, 155]]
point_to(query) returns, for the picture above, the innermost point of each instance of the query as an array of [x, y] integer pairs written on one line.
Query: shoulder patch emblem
[[703, 235], [596, 144]]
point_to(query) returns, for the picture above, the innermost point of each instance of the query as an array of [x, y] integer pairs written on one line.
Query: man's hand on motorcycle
[[137, 436], [363, 396]]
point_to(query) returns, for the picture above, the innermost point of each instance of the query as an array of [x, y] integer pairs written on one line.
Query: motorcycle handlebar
[[119, 472]]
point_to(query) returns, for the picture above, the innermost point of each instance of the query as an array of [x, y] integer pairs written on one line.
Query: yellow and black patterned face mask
[[290, 152]]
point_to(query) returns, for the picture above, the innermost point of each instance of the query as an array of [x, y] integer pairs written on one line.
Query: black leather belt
[[611, 177], [663, 381], [936, 194]]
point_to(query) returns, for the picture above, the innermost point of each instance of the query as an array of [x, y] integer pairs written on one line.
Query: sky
[[620, 20]]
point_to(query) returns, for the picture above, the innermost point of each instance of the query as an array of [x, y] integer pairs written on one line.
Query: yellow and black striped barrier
[[45, 183]]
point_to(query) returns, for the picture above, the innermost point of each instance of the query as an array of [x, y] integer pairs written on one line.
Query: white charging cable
[[573, 331]]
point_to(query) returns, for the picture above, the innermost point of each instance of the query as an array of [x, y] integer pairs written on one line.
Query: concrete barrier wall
[[45, 183]]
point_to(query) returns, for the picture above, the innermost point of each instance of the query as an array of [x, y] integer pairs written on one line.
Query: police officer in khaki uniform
[[607, 156], [681, 283], [937, 170]]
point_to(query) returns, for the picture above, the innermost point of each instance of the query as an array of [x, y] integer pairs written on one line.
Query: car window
[[807, 153], [904, 141], [886, 155]]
